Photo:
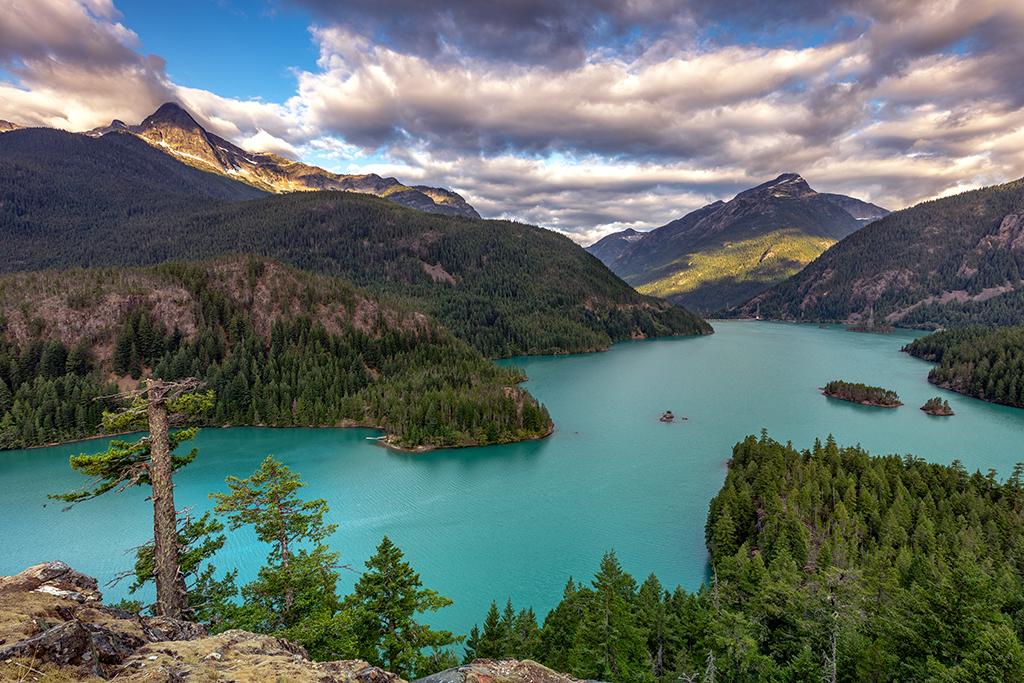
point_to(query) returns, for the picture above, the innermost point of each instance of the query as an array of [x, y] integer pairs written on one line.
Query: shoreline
[[381, 440], [384, 443]]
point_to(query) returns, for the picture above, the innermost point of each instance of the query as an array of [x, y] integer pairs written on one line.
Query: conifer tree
[[298, 581], [609, 644], [386, 600], [490, 644], [150, 461], [198, 540]]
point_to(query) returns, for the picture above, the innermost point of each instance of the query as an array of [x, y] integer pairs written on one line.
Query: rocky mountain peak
[[170, 114], [175, 131], [787, 185], [7, 125]]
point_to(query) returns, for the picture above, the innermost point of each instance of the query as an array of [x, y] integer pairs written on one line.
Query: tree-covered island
[[862, 393]]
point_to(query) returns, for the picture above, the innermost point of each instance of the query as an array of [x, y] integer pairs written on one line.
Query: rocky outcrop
[[51, 614], [54, 627], [242, 656], [53, 621], [499, 671]]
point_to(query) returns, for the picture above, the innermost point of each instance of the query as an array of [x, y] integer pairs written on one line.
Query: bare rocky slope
[[54, 627]]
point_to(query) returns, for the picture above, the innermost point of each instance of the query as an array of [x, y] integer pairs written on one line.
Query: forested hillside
[[53, 184], [826, 565], [983, 362], [954, 260], [504, 287], [277, 346]]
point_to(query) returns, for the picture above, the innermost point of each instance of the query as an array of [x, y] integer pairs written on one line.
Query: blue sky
[[587, 116], [245, 50]]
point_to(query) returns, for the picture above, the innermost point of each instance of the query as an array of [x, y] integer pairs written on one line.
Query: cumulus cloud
[[587, 116], [76, 65]]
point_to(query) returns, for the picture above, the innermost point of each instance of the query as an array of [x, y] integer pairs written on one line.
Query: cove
[[518, 520]]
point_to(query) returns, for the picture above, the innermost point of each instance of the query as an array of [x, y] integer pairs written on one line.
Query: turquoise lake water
[[518, 520]]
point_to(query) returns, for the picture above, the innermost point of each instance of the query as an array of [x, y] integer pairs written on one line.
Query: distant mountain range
[[945, 262], [724, 253], [174, 131]]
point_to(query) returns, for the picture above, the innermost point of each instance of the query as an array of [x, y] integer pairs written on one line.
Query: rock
[[56, 579], [667, 416], [51, 614], [503, 671], [88, 647], [242, 656]]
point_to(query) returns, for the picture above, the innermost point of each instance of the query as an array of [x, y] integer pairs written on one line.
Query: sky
[[584, 116]]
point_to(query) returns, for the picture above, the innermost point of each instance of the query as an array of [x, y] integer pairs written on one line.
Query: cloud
[[587, 116], [526, 31], [76, 65], [686, 105]]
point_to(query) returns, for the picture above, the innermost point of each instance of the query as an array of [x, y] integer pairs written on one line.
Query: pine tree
[[298, 582], [386, 600], [609, 644], [490, 644], [150, 461], [198, 540]]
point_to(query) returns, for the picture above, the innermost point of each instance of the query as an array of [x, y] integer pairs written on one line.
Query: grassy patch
[[768, 258]]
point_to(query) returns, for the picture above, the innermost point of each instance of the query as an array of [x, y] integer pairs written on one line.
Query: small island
[[862, 394], [937, 406]]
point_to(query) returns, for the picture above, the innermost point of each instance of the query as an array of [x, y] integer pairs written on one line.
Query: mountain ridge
[[949, 261], [172, 129], [724, 252]]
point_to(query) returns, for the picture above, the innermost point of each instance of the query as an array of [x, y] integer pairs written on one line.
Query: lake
[[518, 520]]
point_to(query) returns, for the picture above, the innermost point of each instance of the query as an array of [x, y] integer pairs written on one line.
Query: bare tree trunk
[[170, 599]]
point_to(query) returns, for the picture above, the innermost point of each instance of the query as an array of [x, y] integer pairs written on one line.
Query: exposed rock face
[[499, 671], [174, 131], [7, 125]]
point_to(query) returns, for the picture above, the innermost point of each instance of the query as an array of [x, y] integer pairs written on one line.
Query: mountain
[[6, 126], [57, 179], [505, 288], [278, 347], [725, 252], [610, 247], [949, 261], [173, 130]]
